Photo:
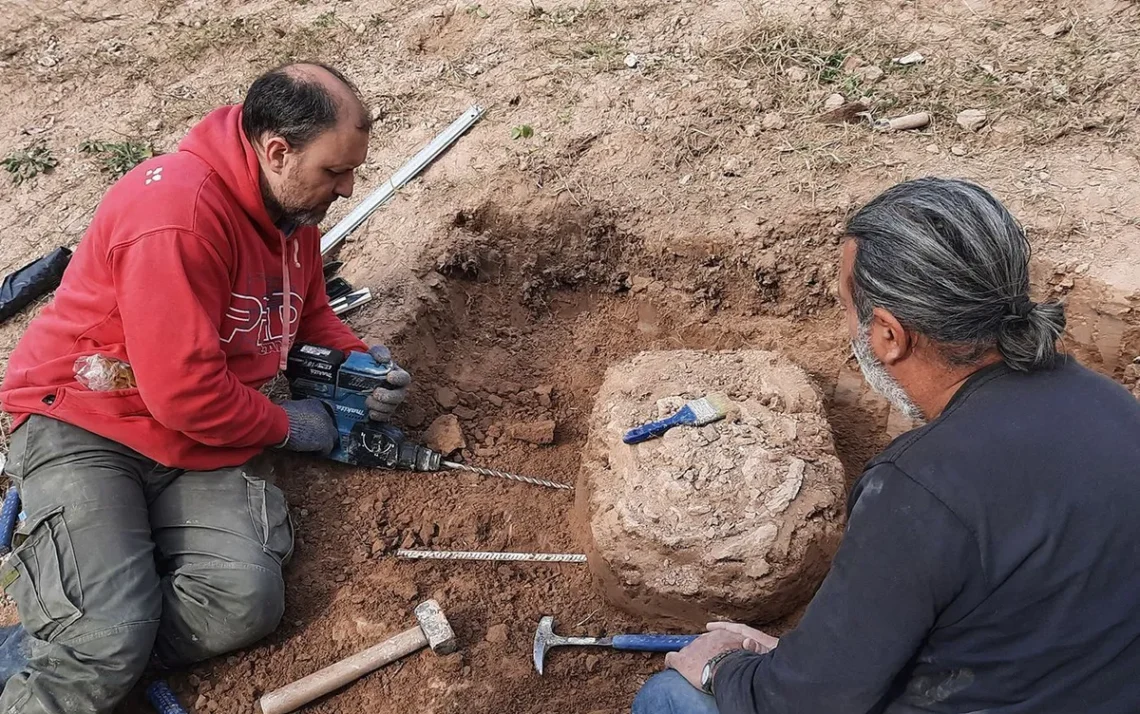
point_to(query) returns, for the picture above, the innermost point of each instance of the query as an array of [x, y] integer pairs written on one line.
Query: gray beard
[[288, 216], [880, 380]]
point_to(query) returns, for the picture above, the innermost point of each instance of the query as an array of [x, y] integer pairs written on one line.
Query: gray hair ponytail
[[947, 259]]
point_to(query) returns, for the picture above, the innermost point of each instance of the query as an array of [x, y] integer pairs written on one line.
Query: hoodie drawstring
[[286, 300]]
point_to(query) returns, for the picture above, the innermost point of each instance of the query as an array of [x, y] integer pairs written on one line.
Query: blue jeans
[[669, 693]]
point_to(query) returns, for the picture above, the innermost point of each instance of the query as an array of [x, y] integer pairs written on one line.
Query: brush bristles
[[710, 408]]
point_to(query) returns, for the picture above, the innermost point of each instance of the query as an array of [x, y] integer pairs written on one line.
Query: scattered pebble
[[912, 58], [446, 398], [972, 119], [1056, 29], [869, 74], [933, 149], [796, 74], [904, 123], [772, 121], [958, 150], [632, 60], [445, 435], [833, 102], [592, 663], [497, 634], [464, 413]]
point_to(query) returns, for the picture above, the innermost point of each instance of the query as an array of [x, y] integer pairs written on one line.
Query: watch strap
[[710, 667]]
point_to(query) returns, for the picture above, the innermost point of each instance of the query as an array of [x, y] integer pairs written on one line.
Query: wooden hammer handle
[[296, 695]]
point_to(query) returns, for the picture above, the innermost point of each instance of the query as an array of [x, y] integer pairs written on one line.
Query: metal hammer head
[[436, 628], [544, 639]]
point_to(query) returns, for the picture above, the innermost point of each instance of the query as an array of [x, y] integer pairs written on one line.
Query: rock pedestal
[[738, 519]]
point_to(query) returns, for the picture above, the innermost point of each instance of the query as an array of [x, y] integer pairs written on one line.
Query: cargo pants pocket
[[43, 578], [271, 519]]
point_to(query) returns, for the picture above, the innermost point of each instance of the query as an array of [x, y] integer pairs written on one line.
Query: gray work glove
[[311, 426], [383, 401]]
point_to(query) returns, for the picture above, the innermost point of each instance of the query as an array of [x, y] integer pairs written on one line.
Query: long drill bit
[[487, 555], [503, 474]]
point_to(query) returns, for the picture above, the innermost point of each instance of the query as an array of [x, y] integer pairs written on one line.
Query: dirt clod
[[446, 398], [445, 435], [534, 432], [972, 119], [497, 633], [737, 519]]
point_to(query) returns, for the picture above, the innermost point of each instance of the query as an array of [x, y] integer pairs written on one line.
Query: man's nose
[[344, 186]]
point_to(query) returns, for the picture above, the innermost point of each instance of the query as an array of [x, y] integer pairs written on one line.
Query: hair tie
[[1022, 307]]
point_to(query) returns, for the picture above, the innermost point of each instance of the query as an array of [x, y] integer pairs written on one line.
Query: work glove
[[311, 426], [383, 401]]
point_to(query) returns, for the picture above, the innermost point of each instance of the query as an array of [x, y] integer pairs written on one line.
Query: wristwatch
[[710, 669]]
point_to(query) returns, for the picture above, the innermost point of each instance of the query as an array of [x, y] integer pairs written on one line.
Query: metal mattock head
[[436, 628], [544, 639]]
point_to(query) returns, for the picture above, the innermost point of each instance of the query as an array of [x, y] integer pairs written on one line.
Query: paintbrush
[[712, 407]]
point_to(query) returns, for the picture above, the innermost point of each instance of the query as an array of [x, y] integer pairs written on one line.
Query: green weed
[[25, 165]]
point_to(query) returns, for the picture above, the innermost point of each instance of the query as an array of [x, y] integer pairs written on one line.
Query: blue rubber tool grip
[[652, 643], [653, 429], [163, 699], [8, 516]]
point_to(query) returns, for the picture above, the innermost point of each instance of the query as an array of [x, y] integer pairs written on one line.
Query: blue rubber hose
[[162, 698], [9, 514]]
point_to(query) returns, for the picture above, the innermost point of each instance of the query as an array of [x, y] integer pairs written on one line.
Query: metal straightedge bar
[[407, 172]]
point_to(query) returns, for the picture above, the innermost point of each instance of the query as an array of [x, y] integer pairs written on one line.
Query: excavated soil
[[737, 519], [675, 190]]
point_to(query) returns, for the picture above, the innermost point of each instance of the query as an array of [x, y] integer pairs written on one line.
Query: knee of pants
[[669, 693], [226, 606]]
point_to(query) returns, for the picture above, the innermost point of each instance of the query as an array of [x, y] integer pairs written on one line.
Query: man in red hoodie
[[150, 525]]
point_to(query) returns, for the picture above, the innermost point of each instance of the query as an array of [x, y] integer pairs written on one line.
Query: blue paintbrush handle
[[653, 429], [9, 513], [163, 699], [652, 643]]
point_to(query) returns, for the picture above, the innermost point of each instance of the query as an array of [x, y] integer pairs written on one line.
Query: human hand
[[754, 640], [311, 426], [383, 401], [690, 661]]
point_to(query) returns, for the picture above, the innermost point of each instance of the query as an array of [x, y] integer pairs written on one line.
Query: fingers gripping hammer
[[432, 630]]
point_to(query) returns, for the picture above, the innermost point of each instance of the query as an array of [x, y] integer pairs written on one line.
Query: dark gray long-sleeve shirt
[[991, 564]]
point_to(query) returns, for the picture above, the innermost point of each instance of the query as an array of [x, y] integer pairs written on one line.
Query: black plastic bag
[[32, 281]]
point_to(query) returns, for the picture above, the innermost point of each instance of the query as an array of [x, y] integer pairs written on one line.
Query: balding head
[[299, 101], [309, 128]]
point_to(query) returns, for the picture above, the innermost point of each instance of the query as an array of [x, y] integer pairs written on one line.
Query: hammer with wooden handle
[[432, 631]]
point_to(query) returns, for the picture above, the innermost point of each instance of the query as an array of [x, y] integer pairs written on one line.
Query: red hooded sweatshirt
[[182, 274]]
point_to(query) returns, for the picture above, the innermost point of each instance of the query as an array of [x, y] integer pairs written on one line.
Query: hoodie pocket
[[115, 403]]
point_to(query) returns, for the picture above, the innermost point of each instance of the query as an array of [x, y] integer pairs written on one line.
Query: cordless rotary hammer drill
[[343, 381]]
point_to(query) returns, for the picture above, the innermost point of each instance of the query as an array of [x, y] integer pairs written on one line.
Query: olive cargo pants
[[124, 557]]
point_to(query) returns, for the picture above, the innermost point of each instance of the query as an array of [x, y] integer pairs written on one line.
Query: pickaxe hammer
[[544, 639]]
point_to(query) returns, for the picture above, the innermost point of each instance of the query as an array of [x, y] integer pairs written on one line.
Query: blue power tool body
[[343, 381]]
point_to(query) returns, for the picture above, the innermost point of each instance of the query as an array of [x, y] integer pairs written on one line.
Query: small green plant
[[31, 162], [522, 131], [478, 11], [117, 158], [325, 19]]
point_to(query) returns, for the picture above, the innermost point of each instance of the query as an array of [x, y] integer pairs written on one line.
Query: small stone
[[912, 58], [212, 706], [958, 150], [414, 417], [752, 130], [869, 74], [772, 121], [464, 413], [445, 435], [1083, 268], [852, 63], [544, 391], [495, 400], [933, 149], [1056, 29], [446, 398], [684, 180], [497, 634], [833, 102], [304, 513], [972, 119], [796, 74], [536, 432], [592, 663], [377, 547], [201, 703], [631, 60]]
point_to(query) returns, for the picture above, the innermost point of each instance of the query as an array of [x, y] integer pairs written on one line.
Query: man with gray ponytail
[[990, 560]]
